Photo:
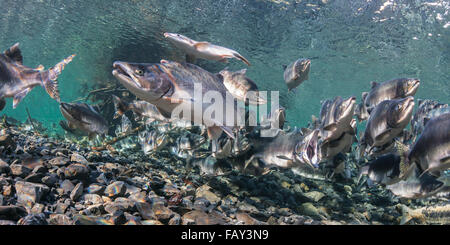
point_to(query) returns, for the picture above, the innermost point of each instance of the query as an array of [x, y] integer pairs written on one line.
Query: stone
[[30, 193], [115, 189], [33, 219], [40, 169], [50, 180], [91, 220], [19, 170], [76, 171], [138, 197], [120, 204], [7, 142], [92, 199], [59, 161], [247, 219], [162, 212], [96, 209], [198, 217], [34, 177], [204, 192], [4, 167], [145, 210], [77, 191], [67, 186], [151, 222], [59, 219], [314, 196], [310, 210], [75, 157], [38, 208], [96, 189], [12, 212], [61, 208]]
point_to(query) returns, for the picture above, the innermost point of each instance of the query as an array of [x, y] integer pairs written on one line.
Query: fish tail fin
[[242, 58], [51, 83], [406, 215], [120, 107]]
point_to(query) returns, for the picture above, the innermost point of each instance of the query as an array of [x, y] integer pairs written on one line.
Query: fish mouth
[[309, 154], [413, 85], [124, 73], [65, 109], [407, 108]]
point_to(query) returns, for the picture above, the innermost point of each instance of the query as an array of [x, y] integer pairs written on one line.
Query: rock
[[19, 170], [138, 197], [115, 189], [12, 212], [4, 167], [34, 178], [7, 142], [175, 220], [67, 187], [92, 199], [162, 212], [77, 191], [59, 219], [7, 190], [75, 157], [96, 189], [91, 220], [198, 217], [247, 219], [118, 218], [246, 207], [33, 219], [314, 196], [120, 204], [38, 208], [40, 169], [96, 210], [151, 222], [145, 210], [204, 192], [59, 161], [61, 208], [50, 180], [310, 210], [30, 193], [76, 171]]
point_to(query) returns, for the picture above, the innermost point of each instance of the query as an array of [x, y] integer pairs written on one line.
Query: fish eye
[[139, 72]]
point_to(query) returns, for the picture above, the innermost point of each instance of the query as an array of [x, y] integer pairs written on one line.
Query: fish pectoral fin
[[14, 53], [19, 97], [384, 135], [201, 45], [190, 58], [40, 68]]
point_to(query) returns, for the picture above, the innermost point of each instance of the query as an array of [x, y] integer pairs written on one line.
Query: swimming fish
[[386, 121], [343, 144], [336, 118], [141, 109], [241, 87], [203, 50], [296, 73], [17, 80], [288, 150], [389, 90], [426, 110], [83, 117], [431, 151], [151, 141], [173, 86], [417, 186], [427, 215]]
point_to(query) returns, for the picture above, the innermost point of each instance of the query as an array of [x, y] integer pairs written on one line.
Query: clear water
[[350, 43]]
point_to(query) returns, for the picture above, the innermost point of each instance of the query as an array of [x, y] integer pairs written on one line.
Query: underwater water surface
[[350, 44]]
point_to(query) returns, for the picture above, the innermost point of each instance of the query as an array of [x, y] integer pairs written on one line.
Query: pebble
[[19, 170], [59, 219], [33, 219], [67, 187], [30, 193], [4, 167], [314, 196], [76, 171], [96, 189], [75, 157], [77, 191], [92, 199], [115, 189]]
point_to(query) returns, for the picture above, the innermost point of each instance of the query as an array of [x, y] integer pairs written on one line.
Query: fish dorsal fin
[[40, 68], [19, 96], [373, 84], [14, 53], [201, 45]]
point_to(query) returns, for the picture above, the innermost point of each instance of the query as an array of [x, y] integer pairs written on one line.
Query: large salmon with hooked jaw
[[203, 50], [17, 80], [171, 86]]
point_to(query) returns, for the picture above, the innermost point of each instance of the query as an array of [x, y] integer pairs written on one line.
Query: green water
[[350, 43]]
